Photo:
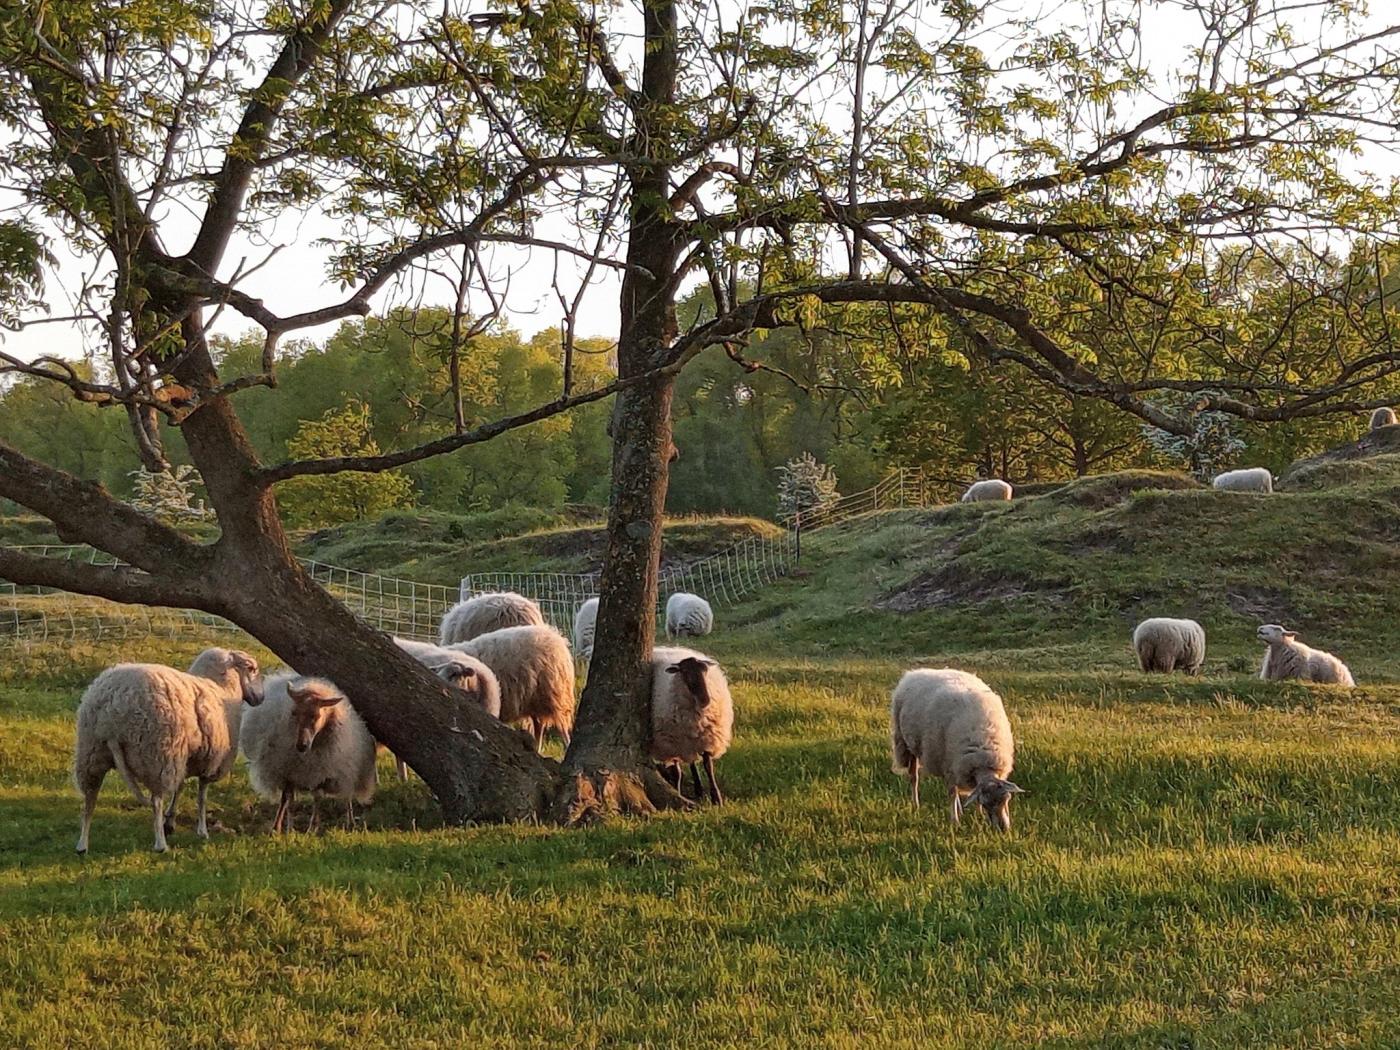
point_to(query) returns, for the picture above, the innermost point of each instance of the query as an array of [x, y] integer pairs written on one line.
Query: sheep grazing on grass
[[991, 489], [486, 613], [535, 670], [688, 616], [1165, 644], [1250, 479], [692, 715], [307, 737], [1382, 417], [467, 673], [1287, 657], [954, 724], [158, 726], [585, 623]]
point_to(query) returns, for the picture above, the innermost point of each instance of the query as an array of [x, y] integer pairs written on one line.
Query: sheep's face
[[1273, 634], [462, 675], [249, 677], [692, 671], [312, 701], [994, 796]]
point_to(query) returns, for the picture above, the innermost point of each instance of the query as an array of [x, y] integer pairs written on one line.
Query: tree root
[[590, 796]]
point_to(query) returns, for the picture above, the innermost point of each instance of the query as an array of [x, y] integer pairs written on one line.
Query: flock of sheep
[[158, 726]]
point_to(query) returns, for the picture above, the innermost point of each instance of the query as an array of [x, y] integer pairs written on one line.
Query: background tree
[[353, 497]]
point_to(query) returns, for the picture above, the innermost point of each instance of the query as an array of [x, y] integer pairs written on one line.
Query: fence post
[[797, 529]]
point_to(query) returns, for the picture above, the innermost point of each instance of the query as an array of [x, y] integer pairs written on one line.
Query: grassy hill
[[1079, 566]]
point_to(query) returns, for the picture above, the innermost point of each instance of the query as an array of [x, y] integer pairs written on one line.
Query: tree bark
[[606, 769]]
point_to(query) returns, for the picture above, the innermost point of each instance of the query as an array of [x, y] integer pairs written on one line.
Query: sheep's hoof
[[160, 849], [170, 827], [81, 851]]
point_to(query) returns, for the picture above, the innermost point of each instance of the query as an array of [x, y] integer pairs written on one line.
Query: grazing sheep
[[158, 726], [953, 723], [1166, 644], [1250, 479], [991, 489], [692, 715], [1287, 657], [536, 674], [1382, 417], [307, 737], [488, 612], [467, 673], [585, 622], [688, 615]]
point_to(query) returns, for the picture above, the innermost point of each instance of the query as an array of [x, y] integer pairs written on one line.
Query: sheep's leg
[[715, 795], [402, 767], [170, 809], [201, 827], [537, 726], [695, 780], [673, 774], [914, 779], [279, 822], [349, 814], [563, 736], [89, 804], [315, 822], [954, 804], [119, 760], [158, 813]]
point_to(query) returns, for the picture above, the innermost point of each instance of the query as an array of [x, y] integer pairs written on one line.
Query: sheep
[[991, 489], [158, 726], [535, 670], [585, 623], [953, 723], [465, 672], [488, 612], [1287, 657], [692, 715], [1250, 479], [1166, 644], [688, 615], [1382, 417], [307, 737]]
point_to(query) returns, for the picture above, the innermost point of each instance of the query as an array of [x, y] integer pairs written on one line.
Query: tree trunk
[[606, 769]]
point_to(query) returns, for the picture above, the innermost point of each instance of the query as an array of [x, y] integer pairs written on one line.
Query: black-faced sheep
[[692, 715]]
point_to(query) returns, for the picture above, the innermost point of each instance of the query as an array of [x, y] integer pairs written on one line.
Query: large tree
[[805, 160]]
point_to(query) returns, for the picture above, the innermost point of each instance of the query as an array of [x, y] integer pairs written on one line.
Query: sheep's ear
[[328, 699], [1290, 635], [1015, 789]]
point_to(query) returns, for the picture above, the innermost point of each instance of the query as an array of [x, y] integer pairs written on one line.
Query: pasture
[[1199, 863]]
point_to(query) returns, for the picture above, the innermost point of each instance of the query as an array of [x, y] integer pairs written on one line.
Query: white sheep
[[535, 670], [585, 624], [158, 726], [485, 613], [991, 489], [1166, 644], [306, 737], [1382, 417], [1249, 479], [1287, 657], [467, 673], [688, 615], [692, 715], [953, 723]]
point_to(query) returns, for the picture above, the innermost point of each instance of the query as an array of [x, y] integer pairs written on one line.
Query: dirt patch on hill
[[953, 586], [1265, 604]]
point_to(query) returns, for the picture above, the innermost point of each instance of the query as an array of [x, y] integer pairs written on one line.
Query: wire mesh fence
[[29, 613], [413, 610]]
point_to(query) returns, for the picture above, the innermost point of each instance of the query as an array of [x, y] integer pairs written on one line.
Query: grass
[[1199, 862]]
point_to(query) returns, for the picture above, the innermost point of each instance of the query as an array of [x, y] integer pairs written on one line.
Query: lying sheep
[[585, 623], [953, 723], [536, 674], [1287, 657], [467, 673], [991, 489], [1167, 645], [158, 726], [688, 615], [692, 715], [307, 737], [1250, 479], [1382, 417], [488, 612]]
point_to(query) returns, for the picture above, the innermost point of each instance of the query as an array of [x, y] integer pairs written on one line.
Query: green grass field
[[1210, 862]]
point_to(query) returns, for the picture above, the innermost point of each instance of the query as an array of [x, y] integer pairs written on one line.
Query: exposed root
[[590, 796]]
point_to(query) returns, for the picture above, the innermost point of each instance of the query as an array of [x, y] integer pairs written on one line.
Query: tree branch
[[118, 583]]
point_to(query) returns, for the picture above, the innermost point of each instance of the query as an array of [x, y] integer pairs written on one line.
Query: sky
[[294, 278]]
